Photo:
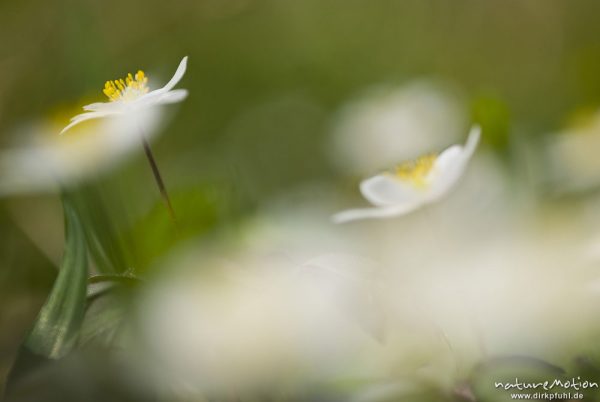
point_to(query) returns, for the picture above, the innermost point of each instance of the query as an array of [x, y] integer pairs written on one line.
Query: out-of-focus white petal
[[457, 153], [48, 161], [159, 98], [473, 140], [264, 322], [450, 165], [101, 106], [382, 190], [379, 212], [447, 158], [86, 116], [173, 97], [444, 182], [354, 283]]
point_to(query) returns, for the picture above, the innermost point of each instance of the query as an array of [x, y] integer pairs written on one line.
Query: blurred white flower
[[44, 161], [130, 95], [427, 302], [413, 184], [452, 280], [396, 123], [259, 322]]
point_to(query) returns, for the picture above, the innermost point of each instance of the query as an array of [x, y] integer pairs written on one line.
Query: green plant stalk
[[158, 178], [57, 326]]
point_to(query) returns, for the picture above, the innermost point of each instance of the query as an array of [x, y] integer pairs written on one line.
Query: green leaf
[[199, 210], [99, 285], [57, 326], [102, 236], [103, 319]]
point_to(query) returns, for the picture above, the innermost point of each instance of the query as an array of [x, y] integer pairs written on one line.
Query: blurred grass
[[25, 277]]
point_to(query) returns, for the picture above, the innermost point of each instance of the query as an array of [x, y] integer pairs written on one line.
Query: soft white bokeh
[[397, 306], [412, 303], [46, 161], [482, 274], [572, 163], [250, 323], [390, 124]]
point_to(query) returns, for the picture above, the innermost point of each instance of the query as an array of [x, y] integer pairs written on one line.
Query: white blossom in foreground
[[43, 161], [413, 184], [258, 322], [131, 95]]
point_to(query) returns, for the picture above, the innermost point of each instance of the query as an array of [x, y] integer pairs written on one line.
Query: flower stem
[[159, 181]]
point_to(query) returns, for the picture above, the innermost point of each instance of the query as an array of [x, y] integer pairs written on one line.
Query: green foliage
[[494, 117], [103, 319], [199, 211], [57, 326], [101, 235]]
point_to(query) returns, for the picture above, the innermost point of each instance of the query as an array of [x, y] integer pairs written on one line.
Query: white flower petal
[[451, 164], [174, 96], [448, 158], [394, 197], [172, 82], [457, 153], [473, 140], [379, 212], [163, 95], [99, 106], [85, 116], [383, 190], [155, 97]]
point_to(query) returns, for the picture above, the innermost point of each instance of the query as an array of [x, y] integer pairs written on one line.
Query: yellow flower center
[[415, 172], [126, 89]]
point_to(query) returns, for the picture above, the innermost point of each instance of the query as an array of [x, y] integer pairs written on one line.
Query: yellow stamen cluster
[[415, 172], [130, 87]]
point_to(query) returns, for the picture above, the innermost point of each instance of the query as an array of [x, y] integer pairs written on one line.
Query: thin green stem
[[158, 178]]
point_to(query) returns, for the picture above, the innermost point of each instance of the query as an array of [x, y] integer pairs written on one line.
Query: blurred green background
[[266, 79]]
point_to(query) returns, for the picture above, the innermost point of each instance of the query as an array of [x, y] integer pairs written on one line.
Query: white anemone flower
[[42, 161], [131, 95], [413, 184]]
